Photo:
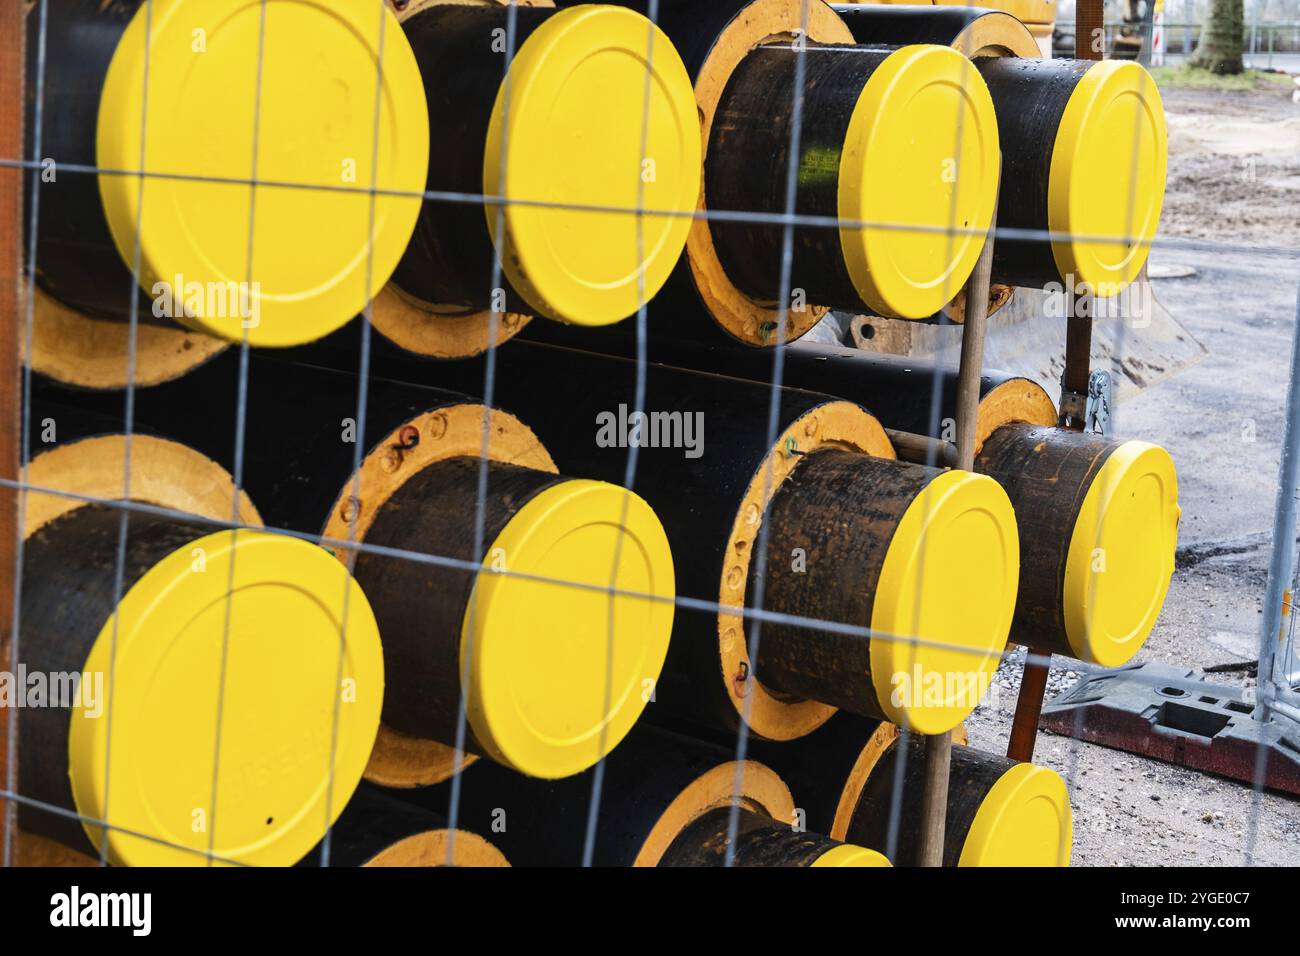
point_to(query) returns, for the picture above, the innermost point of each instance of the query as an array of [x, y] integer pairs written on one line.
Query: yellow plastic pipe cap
[[1121, 554], [305, 94], [1024, 820], [846, 854], [559, 667], [602, 114], [1107, 176], [921, 151], [944, 601], [249, 664]]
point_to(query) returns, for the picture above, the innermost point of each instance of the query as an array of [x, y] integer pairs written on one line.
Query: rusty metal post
[[1089, 30], [938, 748], [1029, 707], [1089, 44]]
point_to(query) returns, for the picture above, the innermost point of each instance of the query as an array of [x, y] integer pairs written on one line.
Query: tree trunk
[[1222, 38]]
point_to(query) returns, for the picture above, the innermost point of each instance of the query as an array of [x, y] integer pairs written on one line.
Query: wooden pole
[[11, 206], [938, 749]]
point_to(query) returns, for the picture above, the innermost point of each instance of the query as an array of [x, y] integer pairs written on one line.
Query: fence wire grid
[[755, 616]]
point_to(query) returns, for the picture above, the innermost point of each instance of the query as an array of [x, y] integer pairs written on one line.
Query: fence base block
[[1167, 713]]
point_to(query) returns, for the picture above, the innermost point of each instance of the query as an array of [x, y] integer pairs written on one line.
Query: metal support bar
[[922, 449], [1088, 19], [1089, 31], [972, 354], [1078, 362], [938, 748], [1029, 707]]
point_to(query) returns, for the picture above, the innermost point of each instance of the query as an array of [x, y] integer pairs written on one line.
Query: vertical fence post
[[1281, 567]]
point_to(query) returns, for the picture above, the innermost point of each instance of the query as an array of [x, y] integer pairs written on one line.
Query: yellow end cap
[[309, 88], [588, 127], [846, 854], [545, 695], [921, 150], [283, 620], [949, 578], [1107, 176], [1025, 820], [1121, 554]]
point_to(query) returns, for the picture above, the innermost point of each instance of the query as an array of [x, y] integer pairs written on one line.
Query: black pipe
[[544, 822], [843, 508], [420, 608], [818, 768], [77, 261], [69, 588], [300, 426], [696, 492], [759, 841], [905, 24], [449, 261], [373, 823], [749, 156], [896, 389], [1030, 97], [1047, 472], [973, 775]]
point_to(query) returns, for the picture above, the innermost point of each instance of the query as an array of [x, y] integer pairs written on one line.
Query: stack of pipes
[[615, 570]]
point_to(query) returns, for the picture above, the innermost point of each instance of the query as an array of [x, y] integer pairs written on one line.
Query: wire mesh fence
[[769, 421]]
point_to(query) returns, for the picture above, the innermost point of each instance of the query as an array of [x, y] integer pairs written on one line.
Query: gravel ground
[[1234, 177]]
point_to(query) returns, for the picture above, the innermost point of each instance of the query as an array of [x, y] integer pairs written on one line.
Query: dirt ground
[[1233, 167], [1234, 176]]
